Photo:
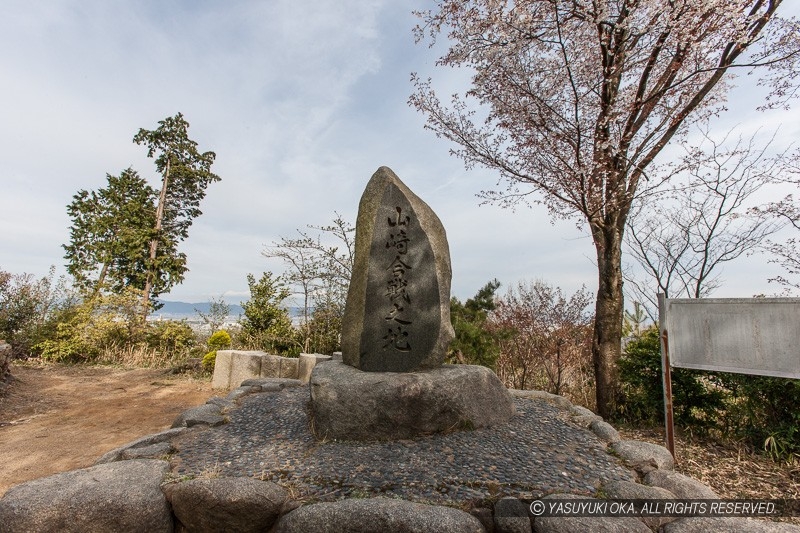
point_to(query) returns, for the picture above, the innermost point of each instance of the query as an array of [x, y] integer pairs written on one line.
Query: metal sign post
[[666, 377]]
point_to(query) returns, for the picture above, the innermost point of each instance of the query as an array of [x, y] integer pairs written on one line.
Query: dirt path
[[56, 418]]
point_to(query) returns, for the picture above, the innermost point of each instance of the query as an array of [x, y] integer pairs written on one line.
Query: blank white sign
[[759, 336]]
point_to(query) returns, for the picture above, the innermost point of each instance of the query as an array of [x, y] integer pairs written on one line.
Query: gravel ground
[[268, 437]]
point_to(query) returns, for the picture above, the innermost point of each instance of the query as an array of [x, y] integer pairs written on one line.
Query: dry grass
[[729, 469], [136, 355]]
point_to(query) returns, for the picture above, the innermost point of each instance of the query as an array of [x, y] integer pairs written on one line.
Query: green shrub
[[266, 325], [221, 340], [108, 328], [209, 360], [30, 308], [764, 412], [323, 332], [697, 398], [72, 340], [172, 337]]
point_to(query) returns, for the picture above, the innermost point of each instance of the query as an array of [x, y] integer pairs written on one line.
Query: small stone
[[207, 415], [484, 515], [153, 451], [604, 431], [558, 401], [511, 516], [739, 525], [680, 485], [222, 403], [637, 453], [611, 524], [163, 436], [628, 490], [238, 392], [579, 410]]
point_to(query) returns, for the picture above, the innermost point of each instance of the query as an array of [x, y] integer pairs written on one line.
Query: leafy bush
[[698, 399], [29, 309], [764, 412], [170, 336], [266, 325], [221, 340], [545, 340], [209, 360], [280, 339], [264, 310], [324, 330], [474, 343], [109, 328]]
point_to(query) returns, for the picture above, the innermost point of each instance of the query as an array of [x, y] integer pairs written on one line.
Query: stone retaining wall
[[131, 490], [235, 366]]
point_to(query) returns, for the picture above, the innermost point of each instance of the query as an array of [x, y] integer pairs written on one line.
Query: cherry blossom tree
[[579, 97]]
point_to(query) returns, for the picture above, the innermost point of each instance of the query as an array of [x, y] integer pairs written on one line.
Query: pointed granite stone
[[397, 316]]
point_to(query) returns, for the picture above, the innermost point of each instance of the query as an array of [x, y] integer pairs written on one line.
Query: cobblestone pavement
[[269, 437]]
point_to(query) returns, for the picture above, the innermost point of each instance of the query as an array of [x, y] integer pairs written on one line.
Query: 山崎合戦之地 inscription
[[398, 317]]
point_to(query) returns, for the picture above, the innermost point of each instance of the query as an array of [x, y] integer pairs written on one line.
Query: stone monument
[[391, 382], [397, 316]]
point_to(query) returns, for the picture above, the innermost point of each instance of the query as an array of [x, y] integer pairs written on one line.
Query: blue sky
[[301, 101]]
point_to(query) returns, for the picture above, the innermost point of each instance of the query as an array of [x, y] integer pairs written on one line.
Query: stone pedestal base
[[349, 404]]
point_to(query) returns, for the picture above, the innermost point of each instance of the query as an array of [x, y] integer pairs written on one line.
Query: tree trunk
[[162, 199], [606, 347], [101, 279]]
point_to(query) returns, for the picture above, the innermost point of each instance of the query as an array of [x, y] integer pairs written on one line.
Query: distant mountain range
[[188, 309], [185, 309]]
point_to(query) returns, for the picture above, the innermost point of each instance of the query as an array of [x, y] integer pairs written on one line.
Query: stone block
[[245, 365], [271, 366], [643, 455], [553, 399], [680, 485], [290, 367], [222, 370], [148, 440], [226, 504], [207, 414], [349, 404], [307, 362], [511, 516], [605, 431], [728, 524], [377, 514], [628, 490], [122, 496]]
